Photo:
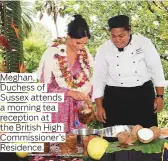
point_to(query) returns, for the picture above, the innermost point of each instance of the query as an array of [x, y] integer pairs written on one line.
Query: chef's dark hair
[[128, 28], [78, 28], [119, 21]]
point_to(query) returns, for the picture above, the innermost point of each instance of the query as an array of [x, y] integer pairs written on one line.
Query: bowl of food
[[110, 133], [83, 132]]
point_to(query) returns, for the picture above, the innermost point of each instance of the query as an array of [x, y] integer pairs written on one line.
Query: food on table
[[125, 137], [97, 147], [164, 132], [135, 130], [145, 135], [69, 146], [86, 114], [86, 140], [157, 131], [46, 148], [22, 154]]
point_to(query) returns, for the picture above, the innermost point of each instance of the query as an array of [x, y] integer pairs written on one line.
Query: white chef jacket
[[137, 64]]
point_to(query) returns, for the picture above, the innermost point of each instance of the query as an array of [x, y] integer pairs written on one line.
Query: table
[[136, 155], [116, 156], [131, 156], [54, 158], [124, 155]]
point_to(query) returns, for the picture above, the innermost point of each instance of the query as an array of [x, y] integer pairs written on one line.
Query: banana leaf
[[155, 146]]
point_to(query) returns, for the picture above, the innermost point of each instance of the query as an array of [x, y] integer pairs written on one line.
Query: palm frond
[[12, 30], [27, 17]]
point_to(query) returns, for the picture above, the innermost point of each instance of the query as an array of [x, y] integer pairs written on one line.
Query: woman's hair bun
[[78, 27], [78, 17]]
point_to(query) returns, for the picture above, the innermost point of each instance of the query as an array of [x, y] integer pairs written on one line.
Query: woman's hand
[[158, 104], [78, 95], [101, 114]]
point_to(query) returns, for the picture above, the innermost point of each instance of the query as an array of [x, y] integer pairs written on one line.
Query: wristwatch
[[160, 95]]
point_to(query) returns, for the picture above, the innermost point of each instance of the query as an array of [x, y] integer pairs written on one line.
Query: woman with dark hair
[[127, 68], [66, 67]]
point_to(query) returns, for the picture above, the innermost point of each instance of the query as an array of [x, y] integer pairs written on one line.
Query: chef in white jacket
[[128, 81]]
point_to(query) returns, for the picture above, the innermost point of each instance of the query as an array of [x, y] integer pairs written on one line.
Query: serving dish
[[112, 131], [84, 131]]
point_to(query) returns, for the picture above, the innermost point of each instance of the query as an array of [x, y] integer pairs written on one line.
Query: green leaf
[[152, 147]]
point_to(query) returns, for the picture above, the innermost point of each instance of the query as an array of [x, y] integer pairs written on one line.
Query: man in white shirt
[[126, 67]]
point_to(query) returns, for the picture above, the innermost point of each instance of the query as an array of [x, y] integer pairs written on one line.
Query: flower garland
[[80, 81]]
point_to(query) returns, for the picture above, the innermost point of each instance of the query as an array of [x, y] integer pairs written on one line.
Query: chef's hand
[[158, 104], [100, 114], [78, 95]]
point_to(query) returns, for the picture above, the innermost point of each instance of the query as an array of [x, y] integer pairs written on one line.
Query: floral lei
[[79, 81]]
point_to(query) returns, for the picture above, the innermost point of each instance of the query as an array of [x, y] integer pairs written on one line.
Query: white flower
[[135, 17], [72, 18], [148, 29], [166, 51], [81, 75], [139, 8], [80, 61], [123, 5], [93, 18], [77, 81], [86, 72], [82, 65], [61, 50], [156, 23], [76, 7]]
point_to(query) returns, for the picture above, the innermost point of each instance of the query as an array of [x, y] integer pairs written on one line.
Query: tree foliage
[[28, 12], [15, 23], [148, 18], [11, 29], [51, 7], [35, 45]]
